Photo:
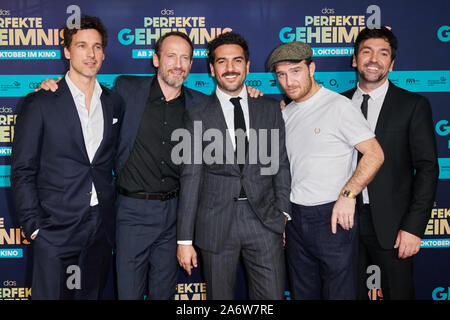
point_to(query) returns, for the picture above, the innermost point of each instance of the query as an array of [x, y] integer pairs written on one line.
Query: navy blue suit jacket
[[135, 91], [51, 175]]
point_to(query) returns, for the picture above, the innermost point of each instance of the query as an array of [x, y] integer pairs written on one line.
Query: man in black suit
[[61, 172], [232, 207], [395, 207]]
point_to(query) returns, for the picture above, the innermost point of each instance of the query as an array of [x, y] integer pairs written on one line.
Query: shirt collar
[[156, 93], [78, 93], [226, 97], [378, 93]]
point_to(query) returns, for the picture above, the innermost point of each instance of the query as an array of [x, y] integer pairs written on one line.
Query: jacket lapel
[[141, 95], [385, 110], [255, 123], [70, 114], [217, 120], [107, 120]]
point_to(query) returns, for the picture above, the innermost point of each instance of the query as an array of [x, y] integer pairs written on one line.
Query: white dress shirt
[[373, 111], [92, 122], [228, 110]]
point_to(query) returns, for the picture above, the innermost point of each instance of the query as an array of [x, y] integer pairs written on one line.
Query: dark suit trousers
[[262, 256], [146, 242], [397, 277], [89, 251], [321, 265]]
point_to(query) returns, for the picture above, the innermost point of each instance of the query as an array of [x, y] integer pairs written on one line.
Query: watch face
[[346, 193]]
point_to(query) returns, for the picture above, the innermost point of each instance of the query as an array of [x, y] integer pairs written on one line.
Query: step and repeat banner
[[30, 51]]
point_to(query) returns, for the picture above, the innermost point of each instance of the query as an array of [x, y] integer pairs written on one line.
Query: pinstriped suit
[[223, 228]]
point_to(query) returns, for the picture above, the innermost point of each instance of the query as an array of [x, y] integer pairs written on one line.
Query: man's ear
[[155, 60], [354, 64], [211, 67], [312, 69], [66, 53], [392, 66]]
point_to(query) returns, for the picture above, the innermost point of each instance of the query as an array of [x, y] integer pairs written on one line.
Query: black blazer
[[51, 175], [135, 91], [402, 193], [207, 205]]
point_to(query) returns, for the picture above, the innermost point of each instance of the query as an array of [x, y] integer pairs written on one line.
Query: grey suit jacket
[[208, 191]]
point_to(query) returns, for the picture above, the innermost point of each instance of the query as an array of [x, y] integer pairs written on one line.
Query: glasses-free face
[[373, 61], [230, 68], [296, 79], [174, 61]]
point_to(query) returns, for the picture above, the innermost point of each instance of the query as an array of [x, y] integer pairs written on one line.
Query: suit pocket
[[50, 195]]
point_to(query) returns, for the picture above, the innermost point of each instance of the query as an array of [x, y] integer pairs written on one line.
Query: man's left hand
[[407, 244], [253, 92], [343, 214]]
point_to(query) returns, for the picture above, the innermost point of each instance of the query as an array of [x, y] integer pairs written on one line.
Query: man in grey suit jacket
[[233, 206]]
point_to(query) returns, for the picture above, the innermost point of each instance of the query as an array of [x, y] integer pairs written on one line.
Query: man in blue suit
[[148, 180], [61, 172]]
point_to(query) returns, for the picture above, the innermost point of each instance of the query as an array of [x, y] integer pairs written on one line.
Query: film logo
[[443, 33], [10, 291], [11, 236], [439, 222], [7, 122], [191, 291], [441, 293]]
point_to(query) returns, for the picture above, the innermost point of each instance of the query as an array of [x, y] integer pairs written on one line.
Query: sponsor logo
[[253, 83], [201, 83]]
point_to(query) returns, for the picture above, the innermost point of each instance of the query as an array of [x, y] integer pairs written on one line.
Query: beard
[[166, 77], [304, 90], [230, 87], [372, 79]]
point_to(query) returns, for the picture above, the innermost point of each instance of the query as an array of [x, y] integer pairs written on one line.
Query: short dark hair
[[183, 35], [86, 22], [383, 33], [227, 38]]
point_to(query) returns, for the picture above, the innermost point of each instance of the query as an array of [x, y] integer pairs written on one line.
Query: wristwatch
[[348, 194]]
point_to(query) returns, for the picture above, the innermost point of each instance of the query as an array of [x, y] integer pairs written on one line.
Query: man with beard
[[148, 180], [395, 207], [322, 131], [231, 209]]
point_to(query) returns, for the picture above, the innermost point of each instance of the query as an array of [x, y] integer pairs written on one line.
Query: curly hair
[[227, 38]]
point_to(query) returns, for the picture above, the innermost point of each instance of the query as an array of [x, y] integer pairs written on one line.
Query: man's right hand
[[187, 257], [49, 84]]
